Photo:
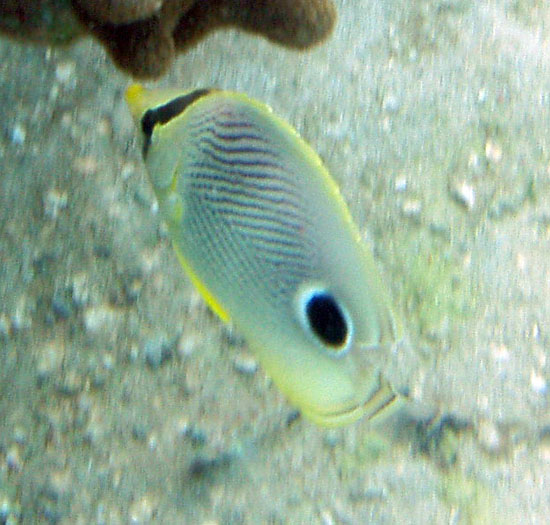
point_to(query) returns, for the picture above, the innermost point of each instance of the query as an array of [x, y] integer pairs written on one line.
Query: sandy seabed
[[122, 398]]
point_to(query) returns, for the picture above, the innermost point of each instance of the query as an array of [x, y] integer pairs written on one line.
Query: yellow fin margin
[[211, 301]]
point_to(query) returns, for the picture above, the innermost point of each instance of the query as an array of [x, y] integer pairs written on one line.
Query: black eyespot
[[165, 113], [326, 319]]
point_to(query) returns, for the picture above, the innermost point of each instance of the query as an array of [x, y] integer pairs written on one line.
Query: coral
[[40, 21], [143, 36]]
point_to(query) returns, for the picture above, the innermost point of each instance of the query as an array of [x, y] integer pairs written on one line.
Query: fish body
[[263, 232]]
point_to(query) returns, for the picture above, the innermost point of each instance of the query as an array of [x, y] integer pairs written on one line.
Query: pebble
[[331, 438], [85, 165], [499, 352], [400, 184], [489, 438], [157, 351], [21, 319], [411, 208], [13, 459], [327, 518], [50, 359], [10, 512], [80, 290], [70, 384], [53, 202], [100, 319], [58, 485], [475, 163], [132, 289], [18, 134], [391, 103], [245, 364], [538, 383], [61, 308], [187, 344], [96, 427], [5, 325], [544, 446], [83, 408], [108, 362], [197, 436], [65, 72], [20, 435], [140, 431], [368, 494], [127, 170], [464, 194], [493, 152], [142, 511]]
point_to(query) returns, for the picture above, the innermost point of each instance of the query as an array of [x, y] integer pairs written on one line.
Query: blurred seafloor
[[123, 400]]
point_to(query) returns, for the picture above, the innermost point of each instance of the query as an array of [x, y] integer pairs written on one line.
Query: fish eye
[[325, 318]]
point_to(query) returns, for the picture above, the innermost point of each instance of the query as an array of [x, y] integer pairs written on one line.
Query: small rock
[[96, 427], [538, 383], [102, 251], [18, 135], [360, 493], [50, 359], [100, 319], [20, 435], [464, 194], [21, 319], [64, 72], [391, 103], [70, 384], [108, 362], [80, 290], [132, 289], [85, 166], [196, 435], [493, 152], [327, 517], [127, 170], [545, 444], [400, 184], [142, 511], [188, 343], [157, 351], [140, 431], [58, 485], [499, 352], [54, 201], [61, 308], [489, 438], [332, 438], [411, 208], [13, 459], [245, 364], [10, 511], [5, 325]]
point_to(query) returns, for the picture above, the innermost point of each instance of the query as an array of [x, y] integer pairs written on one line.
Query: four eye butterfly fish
[[262, 231]]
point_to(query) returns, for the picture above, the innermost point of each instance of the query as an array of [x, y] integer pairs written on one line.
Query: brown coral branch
[[143, 36]]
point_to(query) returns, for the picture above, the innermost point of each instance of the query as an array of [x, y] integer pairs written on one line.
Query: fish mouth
[[378, 404]]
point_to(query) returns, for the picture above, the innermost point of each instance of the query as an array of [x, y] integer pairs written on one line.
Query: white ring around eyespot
[[302, 297]]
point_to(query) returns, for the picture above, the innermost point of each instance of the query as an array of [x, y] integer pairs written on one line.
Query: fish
[[263, 232]]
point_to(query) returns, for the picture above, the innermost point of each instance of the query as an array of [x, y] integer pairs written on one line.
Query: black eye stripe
[[326, 319], [165, 113]]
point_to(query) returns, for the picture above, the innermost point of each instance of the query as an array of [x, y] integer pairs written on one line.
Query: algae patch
[[436, 292], [469, 501]]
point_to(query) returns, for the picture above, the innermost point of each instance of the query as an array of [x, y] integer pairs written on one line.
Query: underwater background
[[124, 400]]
